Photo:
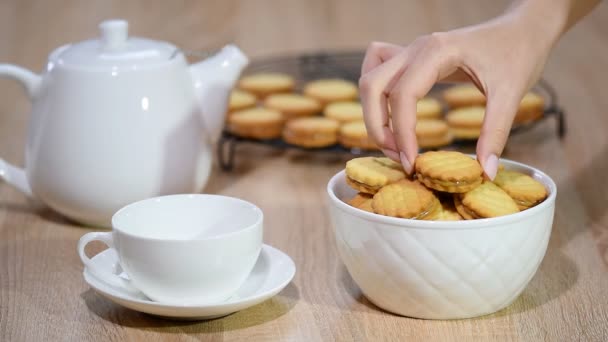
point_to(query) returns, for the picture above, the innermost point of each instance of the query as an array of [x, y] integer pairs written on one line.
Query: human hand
[[503, 57]]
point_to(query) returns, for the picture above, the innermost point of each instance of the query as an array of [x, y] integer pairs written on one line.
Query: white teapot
[[119, 119]]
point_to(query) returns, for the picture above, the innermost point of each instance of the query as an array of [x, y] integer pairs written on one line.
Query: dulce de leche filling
[[448, 183]]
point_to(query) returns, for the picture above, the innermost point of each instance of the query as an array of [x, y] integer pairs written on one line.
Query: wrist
[[544, 21]]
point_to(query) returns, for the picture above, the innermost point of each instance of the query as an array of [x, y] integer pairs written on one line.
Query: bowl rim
[[450, 225]]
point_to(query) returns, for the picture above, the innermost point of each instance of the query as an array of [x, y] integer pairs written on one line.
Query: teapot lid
[[114, 50]]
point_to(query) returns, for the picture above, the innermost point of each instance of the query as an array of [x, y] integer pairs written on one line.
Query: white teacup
[[182, 249]]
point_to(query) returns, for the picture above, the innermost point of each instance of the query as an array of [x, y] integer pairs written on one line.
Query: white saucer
[[272, 272]]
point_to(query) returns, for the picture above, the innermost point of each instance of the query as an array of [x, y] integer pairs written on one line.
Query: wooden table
[[43, 295]]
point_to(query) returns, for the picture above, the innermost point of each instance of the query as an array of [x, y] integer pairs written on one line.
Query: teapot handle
[[11, 174]]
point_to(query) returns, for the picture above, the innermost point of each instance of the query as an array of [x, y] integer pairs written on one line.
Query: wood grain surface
[[43, 296]]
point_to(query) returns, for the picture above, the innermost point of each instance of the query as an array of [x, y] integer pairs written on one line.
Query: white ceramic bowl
[[441, 270]]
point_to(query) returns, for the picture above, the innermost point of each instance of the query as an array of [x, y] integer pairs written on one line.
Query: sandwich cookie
[[370, 174], [311, 132], [525, 190], [448, 171], [485, 201], [331, 90], [264, 84], [256, 123], [293, 105]]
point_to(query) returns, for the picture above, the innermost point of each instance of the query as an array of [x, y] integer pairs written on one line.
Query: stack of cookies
[[447, 185], [266, 106], [327, 112]]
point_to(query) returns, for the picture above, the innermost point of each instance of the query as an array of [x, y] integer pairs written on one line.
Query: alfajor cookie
[[354, 135], [525, 190], [405, 199], [448, 211], [448, 171], [257, 123], [432, 133], [311, 132], [463, 95], [362, 201], [369, 174], [428, 108], [293, 105], [264, 84], [530, 108], [485, 201], [240, 100], [331, 90], [344, 111], [466, 122]]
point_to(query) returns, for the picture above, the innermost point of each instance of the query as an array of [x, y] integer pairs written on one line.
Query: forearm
[[552, 17]]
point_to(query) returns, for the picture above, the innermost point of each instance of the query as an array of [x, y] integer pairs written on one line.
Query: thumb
[[498, 119]]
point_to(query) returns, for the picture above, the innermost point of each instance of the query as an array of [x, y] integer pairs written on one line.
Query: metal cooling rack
[[346, 65]]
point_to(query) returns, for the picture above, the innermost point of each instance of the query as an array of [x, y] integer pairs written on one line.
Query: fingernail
[[391, 154], [491, 166], [406, 163]]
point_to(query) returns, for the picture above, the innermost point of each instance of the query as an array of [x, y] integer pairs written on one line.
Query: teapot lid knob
[[114, 34]]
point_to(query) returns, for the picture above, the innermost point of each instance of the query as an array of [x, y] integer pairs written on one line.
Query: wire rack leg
[[561, 123], [225, 153]]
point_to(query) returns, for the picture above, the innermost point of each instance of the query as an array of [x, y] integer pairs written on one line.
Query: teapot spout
[[213, 80]]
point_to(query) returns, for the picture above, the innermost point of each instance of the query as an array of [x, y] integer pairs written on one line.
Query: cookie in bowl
[[362, 201], [406, 199], [369, 174], [485, 201], [448, 171], [525, 190]]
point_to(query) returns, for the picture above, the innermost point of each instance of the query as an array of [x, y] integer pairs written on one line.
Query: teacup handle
[[106, 277]]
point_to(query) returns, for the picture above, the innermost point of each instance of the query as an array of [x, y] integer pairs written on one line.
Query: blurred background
[[30, 30]]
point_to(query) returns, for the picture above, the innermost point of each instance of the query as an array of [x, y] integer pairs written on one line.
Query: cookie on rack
[[405, 199], [428, 108], [344, 111], [240, 100], [311, 132], [485, 201], [293, 105], [370, 174], [466, 122], [531, 108], [525, 190], [463, 95], [331, 90], [433, 133], [256, 123], [448, 171], [362, 201], [264, 84], [354, 135]]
